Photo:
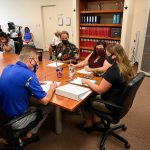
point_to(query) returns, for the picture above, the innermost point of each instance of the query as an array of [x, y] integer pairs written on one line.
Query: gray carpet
[[137, 121]]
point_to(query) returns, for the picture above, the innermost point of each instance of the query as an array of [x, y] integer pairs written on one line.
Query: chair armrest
[[29, 112], [111, 104]]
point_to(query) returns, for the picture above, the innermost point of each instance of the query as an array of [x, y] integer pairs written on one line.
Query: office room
[[86, 23]]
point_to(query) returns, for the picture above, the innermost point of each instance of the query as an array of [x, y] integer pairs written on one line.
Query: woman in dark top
[[113, 82], [95, 59]]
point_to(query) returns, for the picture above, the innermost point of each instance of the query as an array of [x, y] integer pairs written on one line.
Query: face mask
[[109, 59], [100, 51], [35, 67], [65, 42]]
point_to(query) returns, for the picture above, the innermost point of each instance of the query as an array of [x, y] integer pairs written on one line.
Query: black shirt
[[112, 75]]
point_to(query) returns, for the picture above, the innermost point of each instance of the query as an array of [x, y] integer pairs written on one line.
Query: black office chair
[[13, 137], [126, 100]]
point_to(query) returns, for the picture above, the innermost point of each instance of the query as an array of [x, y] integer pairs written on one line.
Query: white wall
[[140, 16], [28, 13]]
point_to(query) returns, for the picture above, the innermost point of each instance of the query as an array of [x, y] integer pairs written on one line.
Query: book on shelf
[[72, 91]]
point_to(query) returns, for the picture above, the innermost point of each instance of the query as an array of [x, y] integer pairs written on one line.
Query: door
[[49, 19]]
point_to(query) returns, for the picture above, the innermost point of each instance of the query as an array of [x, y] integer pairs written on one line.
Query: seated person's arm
[[49, 94], [37, 91], [74, 54], [83, 63], [105, 66], [8, 46], [101, 88], [31, 40]]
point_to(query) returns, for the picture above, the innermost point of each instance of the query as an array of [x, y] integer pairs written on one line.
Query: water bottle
[[71, 71]]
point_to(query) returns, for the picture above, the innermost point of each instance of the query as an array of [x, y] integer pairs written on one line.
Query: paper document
[[72, 91], [55, 64], [83, 71], [46, 86], [78, 81]]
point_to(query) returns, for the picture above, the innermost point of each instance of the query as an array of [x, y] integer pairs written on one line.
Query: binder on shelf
[[72, 91], [115, 19], [93, 19]]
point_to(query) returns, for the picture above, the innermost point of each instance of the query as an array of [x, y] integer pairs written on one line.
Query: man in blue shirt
[[17, 83]]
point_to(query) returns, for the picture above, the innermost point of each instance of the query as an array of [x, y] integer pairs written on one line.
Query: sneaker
[[25, 140]]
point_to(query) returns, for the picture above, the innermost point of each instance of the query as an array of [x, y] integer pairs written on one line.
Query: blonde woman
[[112, 84]]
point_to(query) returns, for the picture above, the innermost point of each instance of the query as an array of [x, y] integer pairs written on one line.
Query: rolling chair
[[13, 137], [126, 100]]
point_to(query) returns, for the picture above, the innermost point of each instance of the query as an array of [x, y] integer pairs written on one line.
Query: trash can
[[40, 52]]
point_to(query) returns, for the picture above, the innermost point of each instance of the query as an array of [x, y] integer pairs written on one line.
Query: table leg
[[58, 120]]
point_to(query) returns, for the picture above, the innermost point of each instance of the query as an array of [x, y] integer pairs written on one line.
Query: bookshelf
[[99, 20]]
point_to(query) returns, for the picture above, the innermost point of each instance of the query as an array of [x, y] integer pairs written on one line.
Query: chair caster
[[127, 145], [102, 148], [124, 128]]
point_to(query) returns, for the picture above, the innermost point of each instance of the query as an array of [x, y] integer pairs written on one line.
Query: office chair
[[13, 137], [126, 100]]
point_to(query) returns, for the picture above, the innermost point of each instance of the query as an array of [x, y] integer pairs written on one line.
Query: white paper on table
[[46, 86], [83, 71], [78, 81], [55, 64]]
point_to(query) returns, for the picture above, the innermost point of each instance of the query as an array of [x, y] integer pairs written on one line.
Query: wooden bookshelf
[[101, 11], [101, 25], [100, 38], [102, 28]]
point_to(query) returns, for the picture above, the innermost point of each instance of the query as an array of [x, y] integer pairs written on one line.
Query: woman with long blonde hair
[[112, 84]]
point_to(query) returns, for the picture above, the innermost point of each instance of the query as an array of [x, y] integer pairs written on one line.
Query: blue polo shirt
[[15, 91]]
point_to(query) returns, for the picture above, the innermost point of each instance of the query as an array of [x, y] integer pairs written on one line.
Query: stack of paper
[[73, 91], [83, 71], [46, 85], [78, 81], [55, 64]]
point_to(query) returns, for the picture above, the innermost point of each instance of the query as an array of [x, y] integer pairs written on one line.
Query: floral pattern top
[[69, 53]]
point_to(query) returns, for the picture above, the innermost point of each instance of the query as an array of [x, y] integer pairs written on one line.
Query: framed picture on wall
[[68, 21], [60, 21]]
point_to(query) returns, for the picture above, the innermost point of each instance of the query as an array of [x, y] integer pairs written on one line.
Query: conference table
[[46, 73]]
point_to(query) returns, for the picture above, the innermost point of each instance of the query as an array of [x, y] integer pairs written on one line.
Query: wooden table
[[48, 73]]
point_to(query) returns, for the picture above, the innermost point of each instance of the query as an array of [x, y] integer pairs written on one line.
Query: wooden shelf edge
[[100, 11], [97, 37], [88, 48], [101, 25]]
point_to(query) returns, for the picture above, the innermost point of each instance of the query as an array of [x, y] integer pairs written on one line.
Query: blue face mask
[[35, 67]]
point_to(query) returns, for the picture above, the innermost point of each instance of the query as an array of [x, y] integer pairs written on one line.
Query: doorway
[[49, 20]]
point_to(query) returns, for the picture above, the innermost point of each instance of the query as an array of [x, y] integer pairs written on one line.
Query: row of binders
[[95, 31], [92, 42], [116, 19], [84, 53], [90, 19]]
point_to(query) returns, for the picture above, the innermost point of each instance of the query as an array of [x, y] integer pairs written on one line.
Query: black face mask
[[35, 67], [100, 51], [109, 59], [65, 42]]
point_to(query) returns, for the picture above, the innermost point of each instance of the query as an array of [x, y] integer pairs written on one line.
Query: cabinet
[[99, 20]]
